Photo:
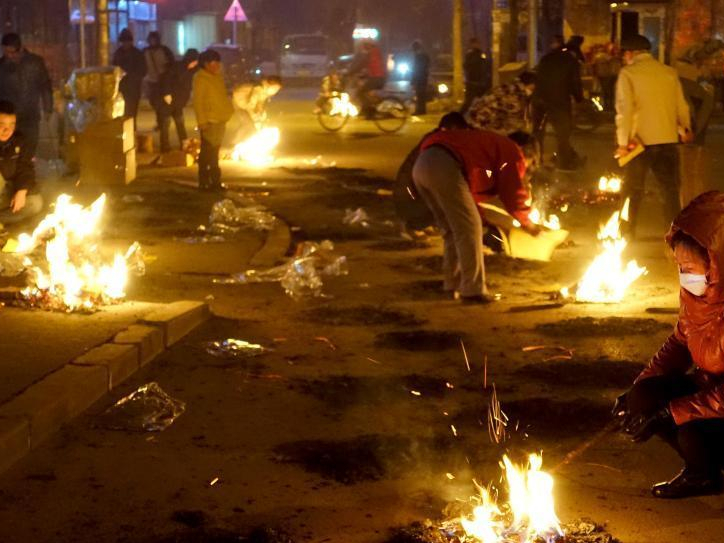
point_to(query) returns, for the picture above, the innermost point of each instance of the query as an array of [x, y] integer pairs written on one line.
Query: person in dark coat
[[420, 77], [176, 89], [574, 47], [130, 59], [159, 61], [477, 74], [25, 83], [558, 82], [19, 197]]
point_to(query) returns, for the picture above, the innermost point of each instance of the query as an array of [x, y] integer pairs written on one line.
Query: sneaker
[[687, 484]]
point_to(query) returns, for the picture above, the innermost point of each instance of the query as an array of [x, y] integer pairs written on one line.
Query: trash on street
[[234, 348], [148, 409], [226, 213]]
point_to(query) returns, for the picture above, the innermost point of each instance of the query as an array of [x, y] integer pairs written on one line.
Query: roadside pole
[[103, 33], [82, 34], [457, 51], [532, 33]]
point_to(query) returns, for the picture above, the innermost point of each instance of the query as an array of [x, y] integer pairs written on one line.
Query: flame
[[75, 277], [342, 105], [528, 516], [257, 150], [552, 222], [610, 184], [607, 279]]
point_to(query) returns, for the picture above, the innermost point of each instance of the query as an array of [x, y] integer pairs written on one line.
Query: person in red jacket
[[679, 396], [370, 66], [457, 169]]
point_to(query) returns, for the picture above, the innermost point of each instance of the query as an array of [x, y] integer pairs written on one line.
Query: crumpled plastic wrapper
[[11, 264], [148, 409], [587, 531], [301, 276], [234, 348], [227, 213], [81, 114], [356, 217]]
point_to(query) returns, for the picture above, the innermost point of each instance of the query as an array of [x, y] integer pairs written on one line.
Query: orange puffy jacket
[[698, 340]]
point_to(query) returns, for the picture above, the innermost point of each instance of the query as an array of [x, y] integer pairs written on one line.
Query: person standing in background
[[176, 90], [477, 74], [159, 60], [420, 77], [25, 83], [651, 111], [130, 59], [213, 110]]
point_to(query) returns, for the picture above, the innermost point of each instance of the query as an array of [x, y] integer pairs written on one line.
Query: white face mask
[[693, 282]]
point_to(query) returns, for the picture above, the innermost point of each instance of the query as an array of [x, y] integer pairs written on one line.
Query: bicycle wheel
[[391, 114], [331, 120]]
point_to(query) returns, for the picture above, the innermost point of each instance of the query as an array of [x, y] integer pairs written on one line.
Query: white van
[[304, 55]]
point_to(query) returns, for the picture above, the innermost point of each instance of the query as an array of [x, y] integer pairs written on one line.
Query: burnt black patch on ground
[[500, 263], [343, 391], [420, 340], [417, 532], [598, 373], [361, 315], [547, 418], [399, 245], [364, 458], [609, 326], [425, 290], [216, 535], [424, 264]]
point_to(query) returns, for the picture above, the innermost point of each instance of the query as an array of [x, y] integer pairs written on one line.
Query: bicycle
[[390, 113]]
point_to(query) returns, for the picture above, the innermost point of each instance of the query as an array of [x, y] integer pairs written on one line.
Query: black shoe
[[687, 485], [481, 299]]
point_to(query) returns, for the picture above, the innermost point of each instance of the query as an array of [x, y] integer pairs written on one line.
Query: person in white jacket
[[651, 110]]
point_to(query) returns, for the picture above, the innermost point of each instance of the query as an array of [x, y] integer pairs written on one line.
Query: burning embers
[[528, 516], [73, 275], [258, 149], [607, 279]]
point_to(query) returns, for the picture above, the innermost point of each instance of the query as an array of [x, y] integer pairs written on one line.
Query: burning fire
[[257, 150], [529, 515], [552, 222], [342, 105], [73, 276], [607, 279], [610, 184]]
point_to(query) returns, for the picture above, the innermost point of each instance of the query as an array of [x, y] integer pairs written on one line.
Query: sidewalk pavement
[[55, 365]]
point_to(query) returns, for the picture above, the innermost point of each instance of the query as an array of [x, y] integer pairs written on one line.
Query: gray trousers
[[439, 179], [33, 205]]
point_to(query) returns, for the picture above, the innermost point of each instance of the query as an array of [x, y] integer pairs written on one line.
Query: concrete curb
[[40, 410], [275, 247]]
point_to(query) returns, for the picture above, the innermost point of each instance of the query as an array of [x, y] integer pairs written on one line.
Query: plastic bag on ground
[[11, 264], [234, 348], [356, 216], [226, 212], [300, 276], [148, 409]]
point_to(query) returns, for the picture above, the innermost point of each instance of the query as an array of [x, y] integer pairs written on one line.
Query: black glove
[[643, 427], [620, 409]]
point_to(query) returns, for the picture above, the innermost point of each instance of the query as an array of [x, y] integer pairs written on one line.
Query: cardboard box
[[116, 135], [107, 168], [177, 159]]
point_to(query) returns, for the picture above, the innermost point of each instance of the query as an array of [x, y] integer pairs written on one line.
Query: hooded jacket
[[698, 340]]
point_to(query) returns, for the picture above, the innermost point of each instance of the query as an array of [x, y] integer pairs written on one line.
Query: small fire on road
[[607, 279], [258, 150], [71, 274], [529, 514]]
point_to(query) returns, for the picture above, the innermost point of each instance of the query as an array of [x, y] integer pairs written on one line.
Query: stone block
[[120, 361], [56, 399], [149, 340], [14, 440], [177, 319]]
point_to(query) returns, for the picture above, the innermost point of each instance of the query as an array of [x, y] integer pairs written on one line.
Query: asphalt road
[[363, 415]]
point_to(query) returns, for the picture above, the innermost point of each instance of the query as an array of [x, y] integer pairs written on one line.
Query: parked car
[[304, 56]]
